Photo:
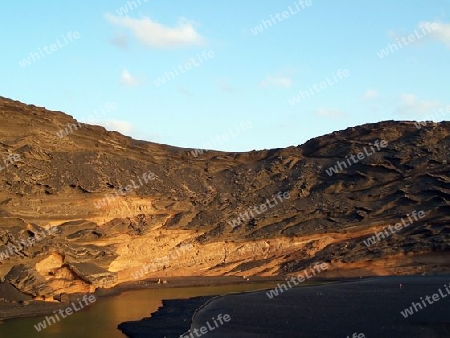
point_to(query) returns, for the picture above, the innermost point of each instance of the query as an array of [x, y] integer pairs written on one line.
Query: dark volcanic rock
[[9, 293], [171, 320]]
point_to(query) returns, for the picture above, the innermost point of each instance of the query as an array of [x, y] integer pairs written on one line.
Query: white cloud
[[128, 80], [123, 127], [156, 35], [410, 104], [425, 31], [370, 94], [441, 34], [325, 112], [284, 82]]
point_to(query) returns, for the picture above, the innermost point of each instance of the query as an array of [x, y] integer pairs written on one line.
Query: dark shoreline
[[175, 316], [370, 306]]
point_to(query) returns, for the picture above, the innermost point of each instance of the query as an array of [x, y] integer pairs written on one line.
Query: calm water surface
[[101, 318]]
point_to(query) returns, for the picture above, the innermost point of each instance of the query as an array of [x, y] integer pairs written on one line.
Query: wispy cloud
[[442, 34], [370, 94], [425, 31], [410, 104], [276, 81], [155, 35], [128, 80]]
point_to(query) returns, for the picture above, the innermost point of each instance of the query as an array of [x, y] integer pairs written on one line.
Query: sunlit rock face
[[95, 208]]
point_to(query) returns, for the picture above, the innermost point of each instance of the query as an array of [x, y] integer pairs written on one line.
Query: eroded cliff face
[[115, 209]]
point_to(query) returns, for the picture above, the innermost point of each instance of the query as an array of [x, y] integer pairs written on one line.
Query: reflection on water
[[101, 318]]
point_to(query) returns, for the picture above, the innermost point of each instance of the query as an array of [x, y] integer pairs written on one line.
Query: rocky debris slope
[[125, 209]]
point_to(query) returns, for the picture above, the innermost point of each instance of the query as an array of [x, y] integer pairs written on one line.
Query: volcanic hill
[[178, 215]]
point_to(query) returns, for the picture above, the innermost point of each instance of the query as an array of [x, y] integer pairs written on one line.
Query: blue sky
[[118, 58]]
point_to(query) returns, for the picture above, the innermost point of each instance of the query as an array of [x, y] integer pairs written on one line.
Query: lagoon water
[[102, 318]]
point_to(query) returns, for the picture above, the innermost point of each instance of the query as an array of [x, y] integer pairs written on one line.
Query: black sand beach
[[371, 307]]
